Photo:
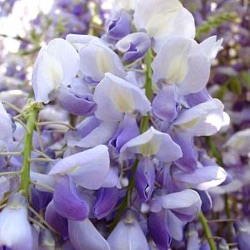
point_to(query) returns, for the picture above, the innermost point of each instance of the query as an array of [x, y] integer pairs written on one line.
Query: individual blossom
[[96, 58], [152, 143], [169, 214], [205, 119], [126, 130], [75, 102], [67, 200], [116, 97], [134, 46], [164, 111], [202, 178], [15, 213], [182, 63], [174, 18], [118, 25], [127, 235], [87, 169], [145, 179], [91, 132], [57, 65]]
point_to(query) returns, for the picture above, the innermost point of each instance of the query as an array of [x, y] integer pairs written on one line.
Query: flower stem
[[148, 84], [148, 89], [207, 231], [25, 174]]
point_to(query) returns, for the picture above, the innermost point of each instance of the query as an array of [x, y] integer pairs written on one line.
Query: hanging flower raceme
[[124, 167]]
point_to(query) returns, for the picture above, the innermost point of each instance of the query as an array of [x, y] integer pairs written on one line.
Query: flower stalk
[[31, 123], [207, 231], [148, 88]]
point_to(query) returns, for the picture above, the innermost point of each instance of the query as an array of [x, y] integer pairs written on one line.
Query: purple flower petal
[[118, 25], [76, 104], [188, 162], [55, 220], [201, 178], [105, 202], [134, 46], [87, 169], [67, 201], [165, 110], [158, 230], [145, 179]]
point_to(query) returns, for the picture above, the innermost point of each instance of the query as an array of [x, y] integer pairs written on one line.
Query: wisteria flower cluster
[[108, 152]]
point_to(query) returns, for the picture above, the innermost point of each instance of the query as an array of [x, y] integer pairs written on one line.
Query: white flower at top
[[57, 65], [161, 18]]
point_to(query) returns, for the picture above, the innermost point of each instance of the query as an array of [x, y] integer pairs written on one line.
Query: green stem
[[228, 214], [214, 150], [148, 84], [148, 89], [25, 174], [207, 231]]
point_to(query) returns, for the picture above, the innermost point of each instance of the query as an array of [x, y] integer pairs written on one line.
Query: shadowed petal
[[67, 201], [127, 235], [83, 235], [55, 220]]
